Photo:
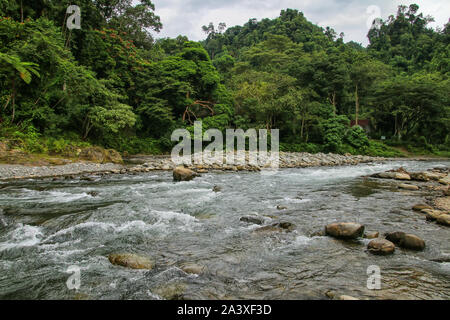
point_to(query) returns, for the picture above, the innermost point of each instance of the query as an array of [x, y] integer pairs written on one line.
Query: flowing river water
[[47, 226]]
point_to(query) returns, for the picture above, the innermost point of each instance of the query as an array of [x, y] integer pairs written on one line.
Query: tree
[[416, 106], [364, 72], [136, 21], [14, 68]]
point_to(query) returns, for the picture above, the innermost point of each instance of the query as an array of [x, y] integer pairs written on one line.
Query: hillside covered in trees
[[112, 84]]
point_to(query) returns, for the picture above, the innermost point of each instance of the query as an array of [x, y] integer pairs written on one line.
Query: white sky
[[186, 17]]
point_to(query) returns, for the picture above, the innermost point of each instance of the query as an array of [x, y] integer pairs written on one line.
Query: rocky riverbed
[[303, 233], [141, 164]]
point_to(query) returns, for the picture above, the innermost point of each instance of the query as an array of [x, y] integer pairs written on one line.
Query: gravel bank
[[154, 163], [8, 171]]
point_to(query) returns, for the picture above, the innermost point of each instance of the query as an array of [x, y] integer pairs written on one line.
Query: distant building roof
[[362, 123]]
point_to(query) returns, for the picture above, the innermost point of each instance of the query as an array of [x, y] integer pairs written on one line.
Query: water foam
[[22, 236]]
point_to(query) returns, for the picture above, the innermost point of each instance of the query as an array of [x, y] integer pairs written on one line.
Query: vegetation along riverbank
[[112, 84]]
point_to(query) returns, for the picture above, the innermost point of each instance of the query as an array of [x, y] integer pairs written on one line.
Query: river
[[47, 226]]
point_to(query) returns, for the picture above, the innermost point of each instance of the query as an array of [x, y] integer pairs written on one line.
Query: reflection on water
[[47, 226]]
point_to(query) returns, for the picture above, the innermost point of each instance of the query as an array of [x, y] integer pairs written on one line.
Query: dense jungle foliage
[[111, 83]]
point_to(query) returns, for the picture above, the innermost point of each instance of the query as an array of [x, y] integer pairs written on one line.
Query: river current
[[48, 226]]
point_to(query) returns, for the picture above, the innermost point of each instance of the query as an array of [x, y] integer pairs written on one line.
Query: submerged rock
[[407, 241], [277, 227], [129, 260], [320, 233], [87, 178], [253, 219], [381, 247], [286, 225], [217, 189], [183, 174], [93, 193], [371, 235], [192, 268], [344, 230], [171, 291]]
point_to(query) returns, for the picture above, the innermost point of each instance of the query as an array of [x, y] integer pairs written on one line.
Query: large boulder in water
[[129, 260], [344, 230], [381, 247], [407, 241], [183, 174]]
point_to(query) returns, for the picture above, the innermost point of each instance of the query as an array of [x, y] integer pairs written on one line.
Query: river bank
[[140, 164]]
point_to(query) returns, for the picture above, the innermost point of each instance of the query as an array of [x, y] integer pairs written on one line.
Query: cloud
[[186, 17]]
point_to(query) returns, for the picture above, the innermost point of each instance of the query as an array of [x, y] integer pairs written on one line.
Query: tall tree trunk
[[396, 131], [13, 99], [7, 102], [21, 11], [357, 105], [333, 101], [87, 127], [303, 127]]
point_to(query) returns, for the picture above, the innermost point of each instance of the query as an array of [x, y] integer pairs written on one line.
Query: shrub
[[334, 131], [300, 147], [356, 137]]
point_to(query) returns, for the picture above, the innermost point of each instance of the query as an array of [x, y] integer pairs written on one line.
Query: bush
[[136, 145], [378, 149], [300, 147], [334, 131], [357, 138]]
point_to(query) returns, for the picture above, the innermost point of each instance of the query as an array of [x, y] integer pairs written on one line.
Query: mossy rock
[[132, 261], [100, 155]]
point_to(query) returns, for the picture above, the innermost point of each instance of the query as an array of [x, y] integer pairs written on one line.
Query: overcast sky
[[186, 17]]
